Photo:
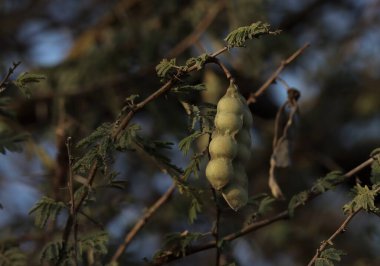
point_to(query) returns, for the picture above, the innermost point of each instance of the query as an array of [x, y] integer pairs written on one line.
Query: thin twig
[[341, 229], [141, 222], [216, 230], [70, 186], [70, 220], [253, 96], [193, 37], [6, 78], [311, 194], [225, 70]]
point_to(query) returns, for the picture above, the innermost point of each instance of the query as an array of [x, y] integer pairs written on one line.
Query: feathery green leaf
[[364, 198], [238, 37], [45, 209]]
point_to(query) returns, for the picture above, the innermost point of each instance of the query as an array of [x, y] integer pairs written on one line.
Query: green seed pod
[[244, 137], [243, 154], [240, 176], [235, 195], [219, 172], [229, 104], [223, 146], [247, 118], [228, 123]]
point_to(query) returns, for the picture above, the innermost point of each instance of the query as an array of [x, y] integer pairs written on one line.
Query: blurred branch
[[141, 222], [193, 37], [6, 78], [341, 229], [70, 185], [253, 96], [311, 194]]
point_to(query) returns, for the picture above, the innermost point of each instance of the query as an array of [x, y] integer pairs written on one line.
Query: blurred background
[[95, 53]]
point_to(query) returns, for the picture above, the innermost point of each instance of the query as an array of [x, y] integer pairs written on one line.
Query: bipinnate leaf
[[364, 199], [238, 37], [11, 255], [45, 209], [25, 80], [329, 256], [11, 141]]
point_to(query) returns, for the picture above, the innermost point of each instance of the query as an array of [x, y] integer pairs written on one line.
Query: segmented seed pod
[[247, 118], [243, 153], [219, 172], [228, 123], [230, 148], [240, 176], [223, 146], [230, 104], [235, 195], [244, 137]]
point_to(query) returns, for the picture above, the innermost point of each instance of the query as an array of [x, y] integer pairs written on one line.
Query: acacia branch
[[6, 78], [70, 219], [311, 194], [141, 222], [253, 96], [121, 125], [73, 213], [341, 229]]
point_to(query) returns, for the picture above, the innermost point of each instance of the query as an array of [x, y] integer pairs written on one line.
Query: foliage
[[52, 252], [297, 200], [185, 144], [364, 199], [328, 182], [95, 242], [11, 141], [167, 68], [45, 209], [25, 80], [194, 209], [197, 62], [263, 203], [238, 37], [188, 89], [329, 256], [176, 243], [11, 255], [100, 148]]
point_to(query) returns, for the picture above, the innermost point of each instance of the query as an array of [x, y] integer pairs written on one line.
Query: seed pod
[[228, 123], [244, 137], [247, 118], [219, 172], [230, 148], [235, 195], [223, 146], [247, 115], [228, 104], [240, 176], [243, 154]]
